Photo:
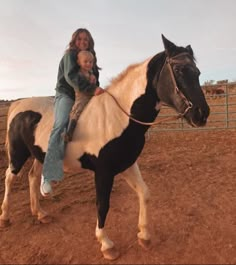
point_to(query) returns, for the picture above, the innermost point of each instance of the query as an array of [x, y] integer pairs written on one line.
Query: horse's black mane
[[150, 98], [154, 66]]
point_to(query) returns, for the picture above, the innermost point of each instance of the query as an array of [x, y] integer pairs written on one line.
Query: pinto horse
[[107, 140]]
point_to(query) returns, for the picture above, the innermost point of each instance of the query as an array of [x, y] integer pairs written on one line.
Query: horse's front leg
[[104, 185], [134, 178], [9, 180], [34, 183]]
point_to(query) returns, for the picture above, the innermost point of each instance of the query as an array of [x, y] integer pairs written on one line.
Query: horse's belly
[[71, 160], [72, 165]]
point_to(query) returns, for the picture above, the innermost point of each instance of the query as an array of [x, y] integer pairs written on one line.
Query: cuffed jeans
[[53, 163]]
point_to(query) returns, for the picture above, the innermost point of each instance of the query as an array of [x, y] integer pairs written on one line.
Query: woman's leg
[[53, 163]]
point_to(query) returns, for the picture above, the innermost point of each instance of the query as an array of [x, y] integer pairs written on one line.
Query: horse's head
[[175, 77]]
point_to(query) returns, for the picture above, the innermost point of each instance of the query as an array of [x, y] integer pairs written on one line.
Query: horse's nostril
[[200, 112], [201, 115]]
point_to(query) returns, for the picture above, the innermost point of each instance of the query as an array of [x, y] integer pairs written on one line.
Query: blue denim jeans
[[53, 163]]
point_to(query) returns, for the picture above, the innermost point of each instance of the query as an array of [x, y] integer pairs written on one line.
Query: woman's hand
[[98, 91]]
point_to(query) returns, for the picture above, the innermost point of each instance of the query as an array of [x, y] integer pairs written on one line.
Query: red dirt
[[191, 176]]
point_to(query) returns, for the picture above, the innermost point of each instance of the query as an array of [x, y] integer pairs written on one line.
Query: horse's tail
[[20, 139]]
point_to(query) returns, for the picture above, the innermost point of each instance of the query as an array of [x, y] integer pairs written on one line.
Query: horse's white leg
[[134, 178], [108, 250], [9, 180], [34, 184]]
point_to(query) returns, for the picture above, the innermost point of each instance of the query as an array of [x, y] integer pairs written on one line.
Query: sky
[[35, 33]]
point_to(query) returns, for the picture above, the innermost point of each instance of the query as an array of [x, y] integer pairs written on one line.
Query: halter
[[177, 90], [189, 104]]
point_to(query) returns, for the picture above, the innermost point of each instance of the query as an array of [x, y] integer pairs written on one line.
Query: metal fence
[[222, 114]]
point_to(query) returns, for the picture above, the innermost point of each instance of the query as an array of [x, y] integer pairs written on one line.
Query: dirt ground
[[192, 211]]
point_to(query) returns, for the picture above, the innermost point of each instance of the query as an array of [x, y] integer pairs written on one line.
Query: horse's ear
[[189, 49], [169, 46]]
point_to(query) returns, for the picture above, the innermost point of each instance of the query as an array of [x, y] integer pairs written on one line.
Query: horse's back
[[41, 105]]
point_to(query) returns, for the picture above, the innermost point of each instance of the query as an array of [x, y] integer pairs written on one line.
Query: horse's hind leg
[[9, 180], [134, 178], [34, 183]]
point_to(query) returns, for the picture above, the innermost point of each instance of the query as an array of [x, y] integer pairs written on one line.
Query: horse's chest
[[121, 152]]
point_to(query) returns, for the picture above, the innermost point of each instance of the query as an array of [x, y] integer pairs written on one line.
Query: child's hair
[[85, 53]]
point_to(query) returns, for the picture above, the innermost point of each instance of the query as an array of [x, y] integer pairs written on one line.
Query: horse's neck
[[130, 85]]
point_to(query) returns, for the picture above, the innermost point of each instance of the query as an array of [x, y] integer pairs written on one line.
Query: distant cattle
[[210, 90], [219, 91]]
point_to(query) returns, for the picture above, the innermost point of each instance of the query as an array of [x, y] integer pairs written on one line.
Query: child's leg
[[80, 103]]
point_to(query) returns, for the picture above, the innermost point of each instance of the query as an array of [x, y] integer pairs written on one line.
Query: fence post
[[182, 123], [227, 105]]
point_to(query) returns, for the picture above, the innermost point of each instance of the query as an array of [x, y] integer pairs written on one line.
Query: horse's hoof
[[111, 253], [4, 223], [45, 219], [145, 244]]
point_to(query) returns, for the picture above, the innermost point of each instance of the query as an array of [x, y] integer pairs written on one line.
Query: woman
[[68, 80]]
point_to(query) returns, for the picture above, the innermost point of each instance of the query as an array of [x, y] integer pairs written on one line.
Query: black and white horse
[[106, 140]]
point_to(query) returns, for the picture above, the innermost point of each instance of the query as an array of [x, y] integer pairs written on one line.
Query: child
[[85, 60]]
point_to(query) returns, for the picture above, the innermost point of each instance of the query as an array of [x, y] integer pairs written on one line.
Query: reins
[[180, 115], [138, 121]]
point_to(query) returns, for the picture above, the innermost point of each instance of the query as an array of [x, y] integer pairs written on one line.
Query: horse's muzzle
[[197, 117]]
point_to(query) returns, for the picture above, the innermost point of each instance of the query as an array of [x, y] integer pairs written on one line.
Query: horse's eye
[[178, 70]]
